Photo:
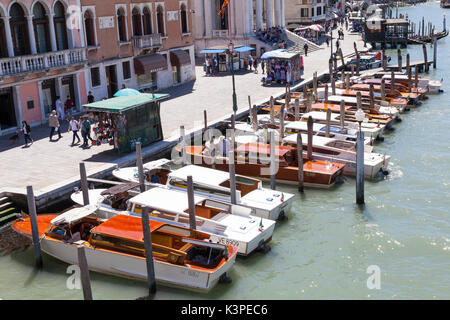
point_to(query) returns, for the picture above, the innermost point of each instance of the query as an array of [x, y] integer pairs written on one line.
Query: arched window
[[147, 21], [60, 26], [137, 27], [121, 25], [89, 28], [3, 47], [41, 31], [19, 30], [160, 20], [183, 16]]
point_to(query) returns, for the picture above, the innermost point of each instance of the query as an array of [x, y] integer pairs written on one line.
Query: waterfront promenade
[[47, 165]]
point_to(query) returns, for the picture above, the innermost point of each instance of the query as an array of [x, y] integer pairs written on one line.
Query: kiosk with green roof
[[126, 120]]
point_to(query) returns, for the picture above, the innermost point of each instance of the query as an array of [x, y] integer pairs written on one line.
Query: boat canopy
[[164, 199], [120, 188], [74, 215], [124, 103], [156, 164], [201, 175], [262, 148]]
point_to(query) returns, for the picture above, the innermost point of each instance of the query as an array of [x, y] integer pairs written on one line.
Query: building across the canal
[[70, 47]]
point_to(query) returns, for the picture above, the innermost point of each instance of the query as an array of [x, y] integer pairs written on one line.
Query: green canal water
[[325, 248]]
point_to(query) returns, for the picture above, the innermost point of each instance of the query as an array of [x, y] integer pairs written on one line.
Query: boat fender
[[225, 279]]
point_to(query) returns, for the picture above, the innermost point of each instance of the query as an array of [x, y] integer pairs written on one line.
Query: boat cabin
[[285, 155], [117, 196]]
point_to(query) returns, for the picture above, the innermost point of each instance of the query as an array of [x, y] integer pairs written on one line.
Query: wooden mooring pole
[[310, 125], [183, 146], [140, 165], [84, 183], [434, 52], [148, 251], [342, 114], [327, 126], [300, 161], [84, 273], [360, 167], [272, 110], [34, 227], [399, 57], [297, 109], [273, 181], [424, 48], [191, 202], [232, 171]]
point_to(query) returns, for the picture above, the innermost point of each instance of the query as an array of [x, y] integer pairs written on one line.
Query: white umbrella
[[316, 27]]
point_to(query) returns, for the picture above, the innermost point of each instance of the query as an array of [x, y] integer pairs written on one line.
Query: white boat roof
[[303, 125], [397, 76], [74, 214], [346, 99], [319, 115], [160, 198], [156, 164], [201, 175], [317, 140]]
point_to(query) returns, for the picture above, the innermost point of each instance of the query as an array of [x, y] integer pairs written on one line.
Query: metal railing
[[147, 41]]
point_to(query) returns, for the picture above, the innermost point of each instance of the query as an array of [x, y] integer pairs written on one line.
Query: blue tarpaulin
[[243, 49], [212, 51]]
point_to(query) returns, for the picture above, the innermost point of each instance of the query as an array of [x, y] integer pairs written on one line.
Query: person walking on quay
[[346, 24], [327, 39], [53, 122], [85, 131], [250, 62], [208, 66], [59, 108], [305, 48], [74, 126], [68, 107], [337, 45], [263, 65], [255, 65], [26, 129]]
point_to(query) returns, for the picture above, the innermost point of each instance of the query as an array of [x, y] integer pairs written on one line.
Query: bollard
[[148, 251], [315, 85], [140, 166], [327, 127], [360, 168], [310, 137], [232, 171], [84, 183], [300, 161], [191, 201], [297, 110], [84, 273], [34, 227], [384, 60], [273, 181], [342, 114]]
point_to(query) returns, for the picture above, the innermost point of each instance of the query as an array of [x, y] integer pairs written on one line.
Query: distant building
[[306, 12]]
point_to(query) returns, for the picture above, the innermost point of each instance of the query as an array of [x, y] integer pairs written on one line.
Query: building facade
[[41, 57], [67, 48], [306, 12], [247, 16]]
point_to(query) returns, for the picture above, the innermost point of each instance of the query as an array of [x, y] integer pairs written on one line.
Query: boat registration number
[[229, 242]]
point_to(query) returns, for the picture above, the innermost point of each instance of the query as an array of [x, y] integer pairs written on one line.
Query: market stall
[[312, 32], [222, 55], [282, 66], [123, 121]]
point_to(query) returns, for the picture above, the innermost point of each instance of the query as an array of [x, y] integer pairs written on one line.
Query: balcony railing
[[36, 62], [220, 33], [147, 41]]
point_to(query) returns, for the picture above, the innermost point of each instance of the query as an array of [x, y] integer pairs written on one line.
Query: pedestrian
[[53, 122], [328, 40], [305, 48], [85, 131], [263, 65], [74, 126], [346, 24], [26, 129], [90, 97], [337, 44], [255, 65], [68, 107], [250, 62], [215, 66], [208, 66], [59, 108]]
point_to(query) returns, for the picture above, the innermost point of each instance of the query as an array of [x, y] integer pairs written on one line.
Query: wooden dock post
[[255, 118], [310, 125], [399, 57], [330, 68], [416, 76], [358, 64], [300, 161], [272, 110], [34, 227], [315, 86], [392, 81], [384, 60], [327, 126], [281, 122], [191, 202], [358, 100], [342, 114], [434, 52], [325, 100], [183, 146], [84, 273], [205, 119], [424, 48], [273, 181], [297, 109], [360, 167], [140, 165], [333, 86], [347, 82], [149, 251], [353, 70], [383, 89], [371, 96], [408, 71], [232, 170], [84, 183]]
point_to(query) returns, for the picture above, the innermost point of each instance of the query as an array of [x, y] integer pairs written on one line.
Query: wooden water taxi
[[432, 86], [253, 159], [224, 222], [181, 258], [265, 203], [392, 110]]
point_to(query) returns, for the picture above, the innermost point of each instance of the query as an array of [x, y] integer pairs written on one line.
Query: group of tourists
[[273, 36]]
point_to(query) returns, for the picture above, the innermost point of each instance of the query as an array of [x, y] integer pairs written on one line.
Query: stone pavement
[[46, 165]]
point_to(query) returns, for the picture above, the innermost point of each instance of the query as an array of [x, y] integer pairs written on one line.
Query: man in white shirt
[[74, 127], [59, 108]]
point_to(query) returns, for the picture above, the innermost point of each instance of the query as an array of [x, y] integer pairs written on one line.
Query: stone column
[[269, 13], [259, 14], [249, 16], [8, 36], [31, 35], [17, 104], [51, 26], [283, 14], [208, 18], [277, 10], [41, 100]]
